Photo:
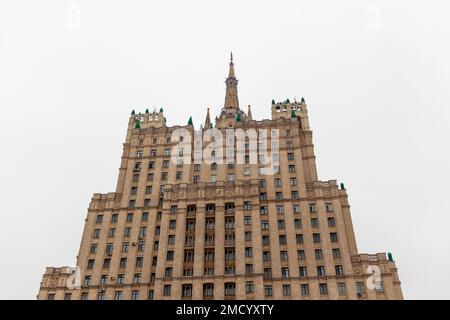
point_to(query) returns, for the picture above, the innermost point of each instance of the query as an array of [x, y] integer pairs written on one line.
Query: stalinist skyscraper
[[231, 210]]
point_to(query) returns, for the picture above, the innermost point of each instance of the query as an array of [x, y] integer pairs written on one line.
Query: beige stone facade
[[179, 230]]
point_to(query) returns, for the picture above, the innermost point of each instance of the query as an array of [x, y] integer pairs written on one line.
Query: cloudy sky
[[375, 74]]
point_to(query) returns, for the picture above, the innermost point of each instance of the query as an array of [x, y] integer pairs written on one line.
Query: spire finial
[[231, 96], [231, 60]]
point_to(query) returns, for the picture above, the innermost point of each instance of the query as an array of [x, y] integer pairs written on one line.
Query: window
[[294, 194], [165, 164], [282, 239], [268, 290], [130, 217], [168, 272], [90, 264], [139, 153], [144, 216], [293, 182], [150, 177], [247, 205], [120, 279], [303, 271], [278, 196], [280, 209], [137, 166], [329, 207], [247, 220], [151, 295], [277, 182], [132, 203], [249, 252], [99, 218], [283, 255], [296, 208], [96, 233], [263, 196], [299, 238], [267, 273], [151, 165], [323, 289], [172, 224], [312, 208], [213, 178], [173, 209], [51, 296], [290, 156], [101, 295], [157, 230], [316, 237], [229, 224], [265, 240], [188, 255], [153, 153], [112, 232], [285, 272], [339, 270], [333, 237], [178, 175], [208, 290], [67, 296], [142, 232], [298, 223], [109, 248], [249, 269], [147, 203], [320, 271], [301, 254], [249, 287], [342, 289], [134, 295], [291, 168], [186, 290], [137, 278], [84, 296], [336, 253], [262, 183], [114, 218], [141, 246], [360, 288], [281, 224], [304, 289], [123, 263], [286, 290], [139, 262], [230, 289], [127, 232], [248, 236], [94, 248], [169, 256], [171, 239], [87, 280], [265, 225], [136, 177], [263, 210], [318, 254], [266, 256], [164, 176], [167, 290], [331, 222], [314, 223]]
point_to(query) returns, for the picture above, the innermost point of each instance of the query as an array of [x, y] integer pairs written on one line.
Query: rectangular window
[[135, 295], [282, 239], [186, 291], [342, 289], [316, 237], [99, 218], [298, 223], [301, 254], [268, 290], [318, 253], [333, 237], [320, 271], [303, 271], [323, 289], [299, 238], [286, 290], [336, 253], [331, 222], [304, 289]]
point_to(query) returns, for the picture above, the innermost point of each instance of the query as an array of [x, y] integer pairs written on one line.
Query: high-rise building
[[233, 210]]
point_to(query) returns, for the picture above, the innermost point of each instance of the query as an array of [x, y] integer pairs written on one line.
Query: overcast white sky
[[376, 76]]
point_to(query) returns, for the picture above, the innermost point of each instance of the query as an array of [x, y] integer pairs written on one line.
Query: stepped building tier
[[233, 210]]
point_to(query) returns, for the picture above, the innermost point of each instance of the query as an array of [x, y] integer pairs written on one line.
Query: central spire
[[231, 96]]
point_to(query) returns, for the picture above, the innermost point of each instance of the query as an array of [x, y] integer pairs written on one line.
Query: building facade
[[189, 220]]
